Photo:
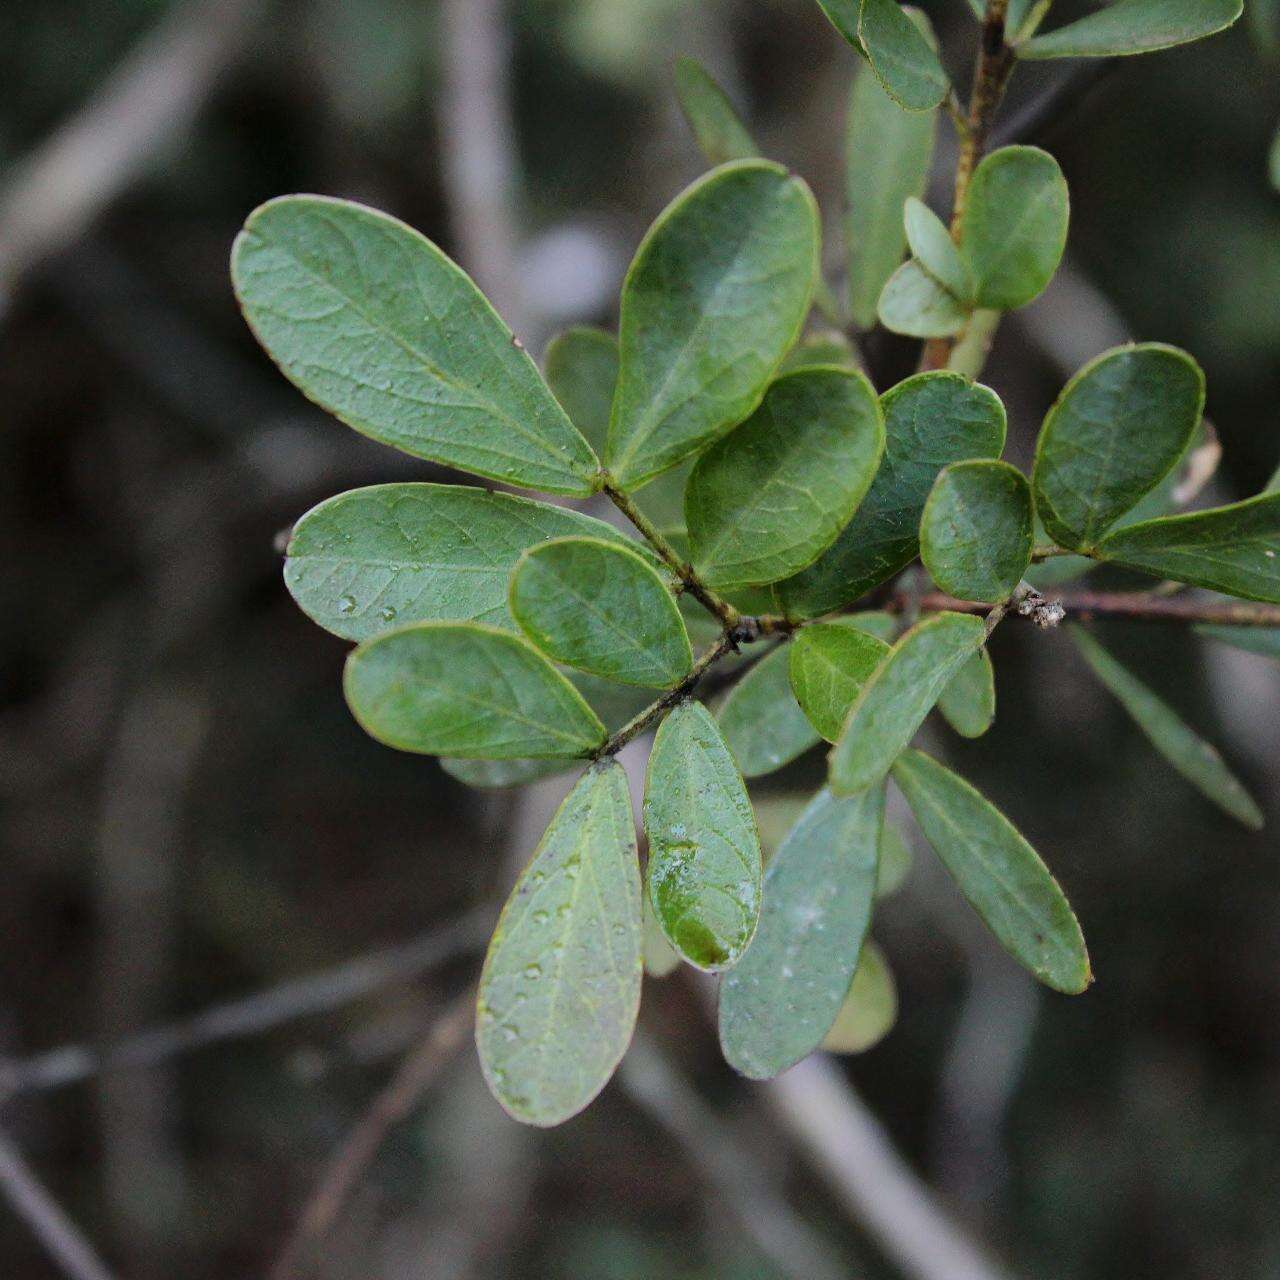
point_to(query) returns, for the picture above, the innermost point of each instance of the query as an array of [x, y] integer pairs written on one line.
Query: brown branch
[[355, 1153], [1129, 606]]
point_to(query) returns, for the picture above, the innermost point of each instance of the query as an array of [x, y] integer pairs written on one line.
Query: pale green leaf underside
[[976, 530], [372, 559], [897, 697], [600, 608], [869, 1010], [1171, 736], [770, 497], [968, 703], [1135, 26], [931, 420], [371, 321], [932, 246], [560, 989], [1015, 226], [917, 305], [998, 872], [826, 346], [887, 157], [715, 296], [830, 663], [1118, 428], [720, 133], [581, 368], [660, 957], [704, 851], [462, 689], [896, 860], [761, 721], [784, 994], [1234, 549]]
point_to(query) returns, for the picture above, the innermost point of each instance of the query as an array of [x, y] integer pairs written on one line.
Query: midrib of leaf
[[1008, 246], [629, 644]]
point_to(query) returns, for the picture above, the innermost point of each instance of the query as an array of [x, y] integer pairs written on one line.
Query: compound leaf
[[719, 131], [819, 888], [869, 1010], [379, 557], [898, 695], [998, 872], [598, 607], [560, 989], [715, 296], [976, 530], [1135, 26], [1171, 736], [1234, 549], [462, 689], [931, 419], [704, 850], [581, 368], [968, 703], [770, 497], [1118, 428], [371, 321], [917, 305], [761, 721], [830, 662], [1014, 227]]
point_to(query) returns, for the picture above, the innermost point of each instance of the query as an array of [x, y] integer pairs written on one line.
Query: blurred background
[[188, 816]]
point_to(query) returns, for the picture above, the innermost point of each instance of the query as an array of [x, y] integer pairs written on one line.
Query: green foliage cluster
[[509, 636]]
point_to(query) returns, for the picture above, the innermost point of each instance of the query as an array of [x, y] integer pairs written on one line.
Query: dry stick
[[54, 193], [60, 1236], [353, 1156], [302, 997]]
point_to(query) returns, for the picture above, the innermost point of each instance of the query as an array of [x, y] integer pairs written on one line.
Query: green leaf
[[826, 347], [1235, 549], [1171, 736], [976, 530], [1264, 641], [898, 695], [915, 304], [371, 321], [600, 608], [1273, 160], [1135, 26], [884, 626], [968, 703], [869, 1010], [1015, 226], [895, 861], [1118, 428], [785, 993], [901, 54], [930, 420], [581, 367], [772, 496], [720, 133], [660, 958], [830, 662], [934, 249], [560, 989], [704, 851], [716, 295], [461, 689], [887, 157], [376, 558], [998, 872], [761, 721]]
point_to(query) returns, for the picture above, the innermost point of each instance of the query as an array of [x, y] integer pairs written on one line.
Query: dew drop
[[533, 971], [540, 917], [387, 613], [347, 605]]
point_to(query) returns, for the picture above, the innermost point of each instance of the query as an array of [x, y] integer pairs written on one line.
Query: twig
[[854, 1155], [54, 193], [303, 997], [60, 1236], [1135, 606], [354, 1154]]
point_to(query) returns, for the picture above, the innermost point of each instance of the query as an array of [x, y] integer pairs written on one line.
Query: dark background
[[188, 814]]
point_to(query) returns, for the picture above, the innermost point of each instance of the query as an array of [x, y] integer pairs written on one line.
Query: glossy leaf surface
[[704, 851], [783, 996], [371, 321], [770, 497], [715, 296], [560, 989], [461, 689], [1000, 874]]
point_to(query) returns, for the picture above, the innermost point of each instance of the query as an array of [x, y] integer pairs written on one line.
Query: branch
[[1130, 606], [355, 1153], [60, 1236], [315, 993]]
